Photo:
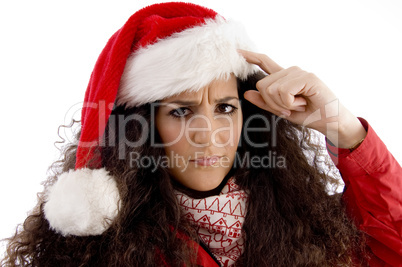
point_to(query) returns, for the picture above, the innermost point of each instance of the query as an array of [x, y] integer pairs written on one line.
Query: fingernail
[[286, 113], [300, 109]]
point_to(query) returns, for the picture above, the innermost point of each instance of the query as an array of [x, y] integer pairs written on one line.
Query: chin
[[200, 179], [204, 187], [206, 182]]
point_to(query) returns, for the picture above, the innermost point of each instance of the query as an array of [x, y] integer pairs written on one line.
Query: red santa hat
[[162, 50]]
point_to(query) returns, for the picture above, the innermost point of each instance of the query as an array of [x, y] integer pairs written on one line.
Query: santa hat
[[162, 50]]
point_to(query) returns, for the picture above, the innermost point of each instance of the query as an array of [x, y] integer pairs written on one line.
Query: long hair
[[291, 220]]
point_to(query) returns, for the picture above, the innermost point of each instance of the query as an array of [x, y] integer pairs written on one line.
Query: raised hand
[[302, 98]]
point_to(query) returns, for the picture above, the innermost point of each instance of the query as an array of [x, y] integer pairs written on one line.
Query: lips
[[206, 161]]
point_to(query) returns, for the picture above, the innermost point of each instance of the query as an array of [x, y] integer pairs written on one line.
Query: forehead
[[217, 89]]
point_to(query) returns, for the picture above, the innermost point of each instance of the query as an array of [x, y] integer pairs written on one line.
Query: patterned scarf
[[218, 221]]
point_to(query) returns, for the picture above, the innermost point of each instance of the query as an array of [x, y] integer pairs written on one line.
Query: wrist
[[347, 131]]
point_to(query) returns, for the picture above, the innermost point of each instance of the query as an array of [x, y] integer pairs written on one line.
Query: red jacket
[[373, 196]]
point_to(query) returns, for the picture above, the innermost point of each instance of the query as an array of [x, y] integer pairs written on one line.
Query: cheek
[[166, 127], [169, 134], [172, 136], [233, 135], [238, 127]]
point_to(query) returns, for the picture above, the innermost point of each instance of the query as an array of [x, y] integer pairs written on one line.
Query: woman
[[189, 154]]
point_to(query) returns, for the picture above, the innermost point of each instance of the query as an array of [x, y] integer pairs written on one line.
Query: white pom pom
[[82, 202]]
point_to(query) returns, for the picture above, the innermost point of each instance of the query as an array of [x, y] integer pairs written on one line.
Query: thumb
[[255, 98]]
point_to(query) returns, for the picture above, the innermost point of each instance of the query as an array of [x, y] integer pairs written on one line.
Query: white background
[[48, 50]]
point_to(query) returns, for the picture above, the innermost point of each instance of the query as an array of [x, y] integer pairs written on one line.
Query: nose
[[200, 130]]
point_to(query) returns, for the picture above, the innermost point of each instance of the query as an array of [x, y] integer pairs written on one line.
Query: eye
[[226, 109], [179, 112]]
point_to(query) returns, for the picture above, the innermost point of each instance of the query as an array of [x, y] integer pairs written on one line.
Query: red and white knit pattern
[[219, 220]]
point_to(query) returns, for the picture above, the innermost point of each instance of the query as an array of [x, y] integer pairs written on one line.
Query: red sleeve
[[373, 195]]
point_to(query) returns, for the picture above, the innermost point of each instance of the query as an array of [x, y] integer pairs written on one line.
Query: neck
[[201, 194]]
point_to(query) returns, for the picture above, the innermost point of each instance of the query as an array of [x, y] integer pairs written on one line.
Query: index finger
[[261, 60]]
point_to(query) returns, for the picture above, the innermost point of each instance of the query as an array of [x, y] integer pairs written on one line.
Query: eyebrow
[[193, 103]]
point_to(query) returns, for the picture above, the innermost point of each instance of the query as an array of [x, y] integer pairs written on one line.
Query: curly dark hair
[[292, 217]]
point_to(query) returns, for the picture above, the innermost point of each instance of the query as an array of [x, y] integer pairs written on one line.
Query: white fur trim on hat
[[188, 60], [82, 202]]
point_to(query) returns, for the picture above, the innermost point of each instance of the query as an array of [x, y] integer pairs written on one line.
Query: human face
[[200, 132]]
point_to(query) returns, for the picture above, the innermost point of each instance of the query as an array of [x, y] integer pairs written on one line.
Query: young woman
[[189, 154]]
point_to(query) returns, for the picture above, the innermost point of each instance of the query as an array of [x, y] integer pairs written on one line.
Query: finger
[[291, 102], [273, 78], [261, 60], [286, 90], [291, 93], [272, 94], [299, 101], [268, 104]]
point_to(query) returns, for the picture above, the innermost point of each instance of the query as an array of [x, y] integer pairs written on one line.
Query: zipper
[[205, 247]]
